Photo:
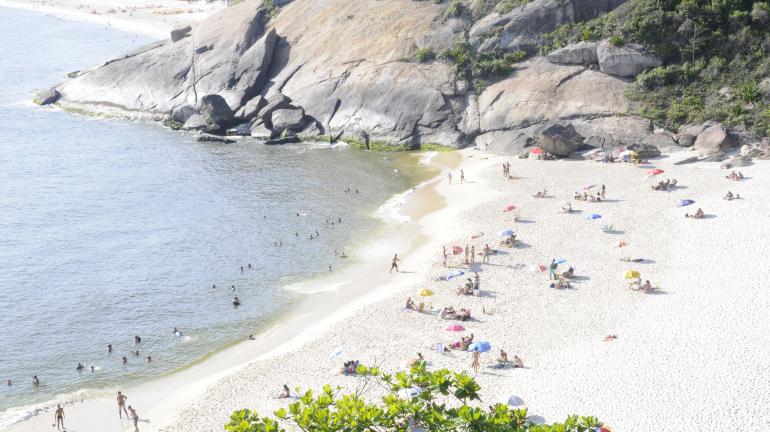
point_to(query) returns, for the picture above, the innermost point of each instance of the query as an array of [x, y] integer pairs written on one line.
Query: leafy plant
[[440, 401], [424, 55], [454, 9], [617, 41]]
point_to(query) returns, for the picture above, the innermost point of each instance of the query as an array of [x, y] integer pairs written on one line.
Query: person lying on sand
[[416, 361], [730, 196], [609, 338], [698, 214], [510, 241], [629, 259], [566, 208], [540, 194], [735, 176], [569, 274], [465, 314]]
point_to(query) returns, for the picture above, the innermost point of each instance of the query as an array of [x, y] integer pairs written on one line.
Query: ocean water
[[110, 229]]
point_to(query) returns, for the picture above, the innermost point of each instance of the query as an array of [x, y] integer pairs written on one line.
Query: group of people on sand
[[349, 367], [502, 361], [589, 197], [735, 175], [449, 313], [410, 305], [637, 285], [507, 170], [472, 287], [664, 185], [509, 241], [697, 215], [729, 196], [462, 176]]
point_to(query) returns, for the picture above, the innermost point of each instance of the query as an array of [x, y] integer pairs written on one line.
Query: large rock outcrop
[[581, 53], [625, 61], [560, 140], [714, 140], [229, 51]]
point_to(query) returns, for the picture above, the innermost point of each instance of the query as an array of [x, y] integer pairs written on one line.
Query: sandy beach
[[691, 356], [152, 18]]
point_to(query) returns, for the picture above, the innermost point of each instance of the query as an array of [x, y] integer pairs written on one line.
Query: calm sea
[[110, 229]]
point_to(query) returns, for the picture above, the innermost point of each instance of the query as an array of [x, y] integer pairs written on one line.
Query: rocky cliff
[[351, 69]]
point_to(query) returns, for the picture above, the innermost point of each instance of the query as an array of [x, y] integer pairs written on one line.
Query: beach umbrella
[[655, 171], [538, 268], [505, 233], [509, 208], [454, 274], [514, 402], [480, 347], [426, 292], [593, 216], [457, 250], [632, 274], [455, 328], [408, 393], [622, 243], [560, 261], [685, 202], [537, 150]]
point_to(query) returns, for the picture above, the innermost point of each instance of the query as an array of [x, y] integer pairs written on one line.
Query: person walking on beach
[[444, 254], [467, 254], [473, 254], [602, 192], [552, 270], [59, 416], [122, 405], [462, 176], [394, 264], [449, 176], [475, 362], [487, 250], [135, 417]]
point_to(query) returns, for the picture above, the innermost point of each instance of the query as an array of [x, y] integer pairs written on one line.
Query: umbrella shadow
[[521, 245], [614, 231], [646, 261], [658, 291], [612, 200], [487, 294], [580, 278], [525, 221]]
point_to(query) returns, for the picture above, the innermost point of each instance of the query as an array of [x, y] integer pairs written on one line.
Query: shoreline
[[290, 332], [155, 22]]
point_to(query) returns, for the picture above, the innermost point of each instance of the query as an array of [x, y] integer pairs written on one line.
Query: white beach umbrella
[[514, 402]]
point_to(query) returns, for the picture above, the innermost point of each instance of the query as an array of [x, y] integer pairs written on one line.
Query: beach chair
[[440, 348]]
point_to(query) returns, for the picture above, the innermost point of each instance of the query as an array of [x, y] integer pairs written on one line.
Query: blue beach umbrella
[[480, 347], [594, 216], [560, 261], [505, 233], [685, 202], [453, 274]]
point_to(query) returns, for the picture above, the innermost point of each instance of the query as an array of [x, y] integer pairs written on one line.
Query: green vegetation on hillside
[[331, 411], [715, 55]]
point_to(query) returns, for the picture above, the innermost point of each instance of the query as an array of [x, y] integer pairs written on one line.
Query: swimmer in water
[[92, 369], [137, 340], [177, 333], [35, 380], [249, 265], [79, 367], [125, 360], [149, 359], [236, 301], [109, 349]]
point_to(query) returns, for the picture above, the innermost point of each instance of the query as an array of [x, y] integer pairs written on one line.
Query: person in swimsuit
[[134, 416], [122, 405], [394, 264], [59, 416]]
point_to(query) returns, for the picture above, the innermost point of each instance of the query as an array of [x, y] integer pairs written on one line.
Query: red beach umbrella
[[509, 208], [455, 328], [655, 171], [457, 250], [537, 150]]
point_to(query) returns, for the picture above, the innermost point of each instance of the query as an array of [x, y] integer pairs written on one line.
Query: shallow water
[[110, 229]]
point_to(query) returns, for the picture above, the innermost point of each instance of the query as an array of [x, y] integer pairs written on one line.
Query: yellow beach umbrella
[[426, 292], [632, 274]]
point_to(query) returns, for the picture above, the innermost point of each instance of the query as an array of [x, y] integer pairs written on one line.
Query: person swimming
[[177, 333], [236, 301], [79, 367], [137, 340]]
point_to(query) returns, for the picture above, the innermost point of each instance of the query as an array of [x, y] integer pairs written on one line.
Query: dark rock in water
[[215, 138], [274, 102], [714, 140], [260, 131], [284, 140], [645, 151], [560, 140], [250, 109], [183, 113], [292, 119], [213, 129], [243, 129], [215, 110], [180, 33], [49, 96], [195, 122]]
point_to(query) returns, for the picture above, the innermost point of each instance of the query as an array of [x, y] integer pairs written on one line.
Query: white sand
[[155, 18], [693, 357]]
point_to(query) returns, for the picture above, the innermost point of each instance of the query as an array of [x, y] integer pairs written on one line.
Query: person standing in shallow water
[[59, 416], [449, 177], [122, 405], [394, 264]]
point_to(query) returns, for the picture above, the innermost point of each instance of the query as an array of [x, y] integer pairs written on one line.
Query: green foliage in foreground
[[424, 55], [705, 45], [443, 405]]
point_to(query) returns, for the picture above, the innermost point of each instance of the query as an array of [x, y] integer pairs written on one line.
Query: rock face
[[560, 140], [182, 113], [580, 53], [234, 53], [291, 119], [48, 97], [194, 122], [624, 61], [714, 140], [215, 110]]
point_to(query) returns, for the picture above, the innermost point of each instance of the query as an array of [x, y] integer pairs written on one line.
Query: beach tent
[[514, 402], [480, 347], [505, 233], [426, 292], [655, 171], [537, 151], [685, 202], [593, 216], [632, 274], [455, 328]]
